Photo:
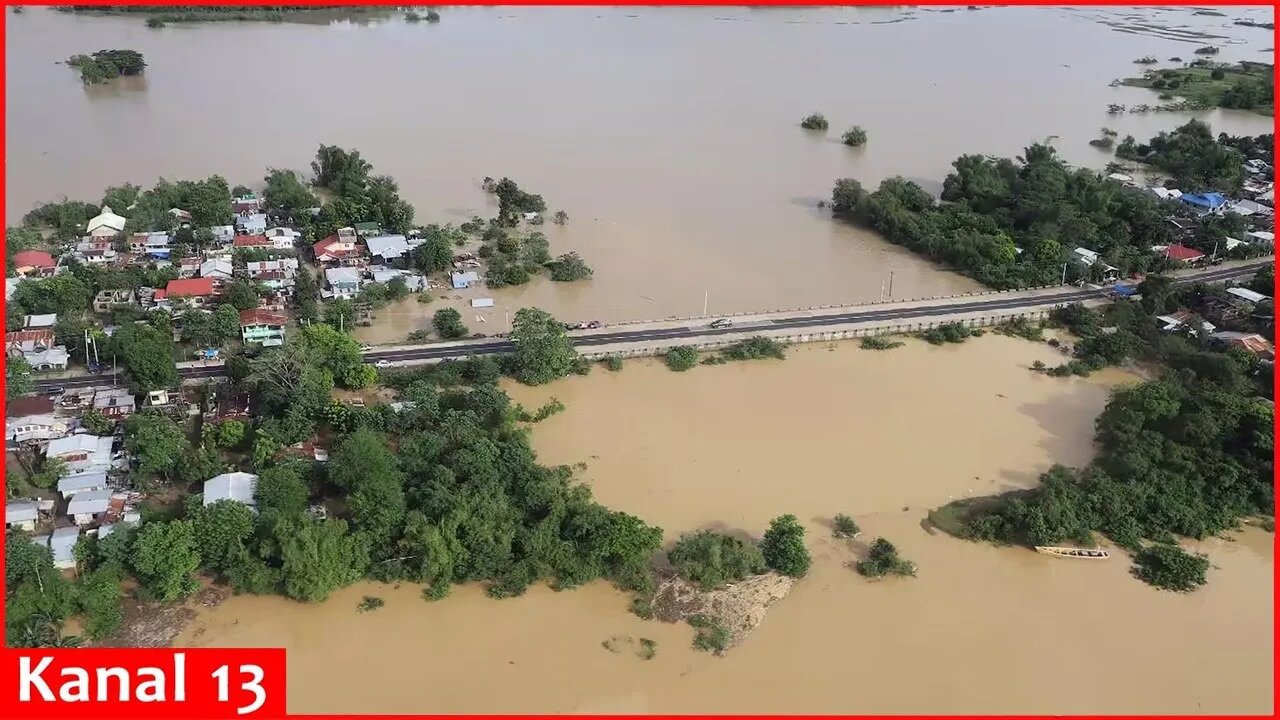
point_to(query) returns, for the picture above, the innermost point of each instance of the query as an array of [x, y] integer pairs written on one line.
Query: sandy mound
[[739, 607]]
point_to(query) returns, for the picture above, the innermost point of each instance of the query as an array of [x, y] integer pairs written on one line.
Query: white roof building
[[36, 322], [70, 485], [238, 486], [62, 545], [89, 502], [81, 452], [108, 223], [1262, 236], [1247, 294], [216, 269], [20, 512], [388, 247]]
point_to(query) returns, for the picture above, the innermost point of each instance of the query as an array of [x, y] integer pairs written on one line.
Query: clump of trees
[[713, 560], [1192, 155], [1169, 567], [569, 268], [948, 333], [883, 559], [814, 121], [543, 350], [879, 343], [105, 65], [854, 137], [448, 324], [844, 527], [711, 635], [360, 196]]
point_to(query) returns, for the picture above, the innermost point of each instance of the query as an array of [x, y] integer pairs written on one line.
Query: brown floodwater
[[883, 436], [669, 135]]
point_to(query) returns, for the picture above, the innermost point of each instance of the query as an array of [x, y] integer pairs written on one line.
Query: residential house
[[1085, 258], [463, 280], [197, 291], [247, 205], [69, 485], [219, 269], [1252, 343], [254, 224], [237, 486], [1181, 253], [188, 267], [252, 242], [21, 342], [1268, 197], [127, 519], [39, 322], [284, 238], [1166, 193], [86, 506], [275, 274], [33, 419], [34, 263], [388, 249], [344, 282], [107, 224], [182, 216], [21, 514], [1247, 295], [96, 251], [341, 248], [81, 453], [1261, 237], [1250, 207], [62, 545], [368, 229], [54, 358], [115, 403], [154, 245], [223, 234], [261, 326], [106, 300], [1177, 320], [1211, 203]]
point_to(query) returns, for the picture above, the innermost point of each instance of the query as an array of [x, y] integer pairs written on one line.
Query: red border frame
[[791, 3]]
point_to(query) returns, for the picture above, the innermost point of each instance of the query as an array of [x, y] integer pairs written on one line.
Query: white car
[[366, 347], [383, 364]]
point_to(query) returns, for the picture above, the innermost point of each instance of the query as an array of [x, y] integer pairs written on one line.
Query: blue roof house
[[1205, 203]]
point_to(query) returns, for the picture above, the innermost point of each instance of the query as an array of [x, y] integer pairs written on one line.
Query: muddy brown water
[[880, 435], [669, 135]]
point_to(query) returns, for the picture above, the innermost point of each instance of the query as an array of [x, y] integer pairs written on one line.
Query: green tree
[[97, 423], [568, 268], [882, 559], [17, 378], [318, 557], [543, 351], [713, 560], [229, 433], [681, 358], [222, 529], [166, 558], [281, 490], [435, 255], [243, 295], [156, 442], [783, 546], [147, 356], [100, 597], [225, 324], [285, 193], [305, 290], [448, 324]]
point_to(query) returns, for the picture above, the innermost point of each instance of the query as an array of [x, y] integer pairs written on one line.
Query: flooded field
[[669, 135], [883, 436]]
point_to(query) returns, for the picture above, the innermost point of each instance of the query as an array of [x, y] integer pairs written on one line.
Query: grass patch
[[370, 603], [1241, 86], [879, 343], [648, 649], [949, 333], [613, 363], [1023, 328]]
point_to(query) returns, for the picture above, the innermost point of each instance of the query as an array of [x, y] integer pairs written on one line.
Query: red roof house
[[190, 288], [21, 341], [1182, 253], [338, 248], [33, 262], [251, 241]]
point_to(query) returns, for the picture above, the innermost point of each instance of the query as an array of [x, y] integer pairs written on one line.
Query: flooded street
[[669, 135], [883, 436]]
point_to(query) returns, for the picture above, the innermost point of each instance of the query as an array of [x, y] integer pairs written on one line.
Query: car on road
[[365, 347], [55, 392], [383, 364], [721, 323]]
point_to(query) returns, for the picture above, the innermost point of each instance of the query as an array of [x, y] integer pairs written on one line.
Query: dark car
[[721, 323]]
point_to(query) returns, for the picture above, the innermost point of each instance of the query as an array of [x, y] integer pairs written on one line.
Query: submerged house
[[1210, 203]]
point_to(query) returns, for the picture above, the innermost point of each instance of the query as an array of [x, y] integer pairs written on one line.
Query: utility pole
[[890, 284], [1064, 273], [706, 298]]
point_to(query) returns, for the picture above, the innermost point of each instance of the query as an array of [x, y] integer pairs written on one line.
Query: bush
[[754, 349], [883, 560], [681, 358], [613, 363], [879, 343], [711, 635], [814, 122], [947, 333], [1217, 74], [783, 546], [370, 603], [713, 560], [844, 527], [1169, 567], [1023, 328], [155, 23], [448, 323], [854, 137]]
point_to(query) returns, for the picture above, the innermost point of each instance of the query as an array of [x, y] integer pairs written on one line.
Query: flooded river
[[669, 135], [882, 436]]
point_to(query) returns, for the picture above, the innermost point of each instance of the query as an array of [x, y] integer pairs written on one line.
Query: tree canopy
[[543, 351]]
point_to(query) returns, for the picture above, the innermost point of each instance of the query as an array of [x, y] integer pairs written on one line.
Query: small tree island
[[106, 65]]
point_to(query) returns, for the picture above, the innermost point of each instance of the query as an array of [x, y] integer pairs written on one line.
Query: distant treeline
[[207, 13]]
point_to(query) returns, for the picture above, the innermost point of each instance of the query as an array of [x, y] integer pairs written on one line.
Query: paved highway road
[[800, 322]]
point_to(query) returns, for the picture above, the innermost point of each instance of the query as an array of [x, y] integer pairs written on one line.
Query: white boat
[[1070, 552]]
